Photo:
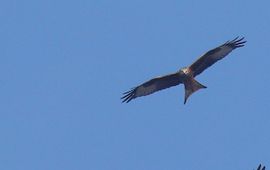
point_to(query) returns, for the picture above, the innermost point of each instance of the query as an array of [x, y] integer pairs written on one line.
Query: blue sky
[[65, 64]]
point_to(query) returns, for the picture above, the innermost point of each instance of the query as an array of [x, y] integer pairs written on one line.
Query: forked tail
[[191, 86]]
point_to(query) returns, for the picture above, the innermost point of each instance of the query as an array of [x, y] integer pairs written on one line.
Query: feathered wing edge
[[259, 167], [129, 95], [151, 86], [235, 43], [212, 56]]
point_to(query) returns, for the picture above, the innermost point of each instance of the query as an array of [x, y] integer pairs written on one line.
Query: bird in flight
[[185, 75]]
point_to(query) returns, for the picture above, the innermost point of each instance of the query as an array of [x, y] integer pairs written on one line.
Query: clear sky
[[64, 65]]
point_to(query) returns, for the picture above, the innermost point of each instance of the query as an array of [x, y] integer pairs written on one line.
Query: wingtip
[[236, 42], [259, 167], [185, 101], [128, 96]]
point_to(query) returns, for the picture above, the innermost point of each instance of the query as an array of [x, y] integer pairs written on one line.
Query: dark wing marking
[[215, 54], [152, 86], [259, 167]]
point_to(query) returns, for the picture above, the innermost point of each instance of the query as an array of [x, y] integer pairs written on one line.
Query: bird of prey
[[185, 75], [259, 167]]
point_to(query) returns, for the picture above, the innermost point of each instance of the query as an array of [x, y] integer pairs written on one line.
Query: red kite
[[185, 75]]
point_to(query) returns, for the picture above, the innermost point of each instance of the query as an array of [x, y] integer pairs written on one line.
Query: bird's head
[[184, 70]]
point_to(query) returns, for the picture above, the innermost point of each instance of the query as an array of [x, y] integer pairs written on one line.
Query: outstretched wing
[[214, 55], [152, 86]]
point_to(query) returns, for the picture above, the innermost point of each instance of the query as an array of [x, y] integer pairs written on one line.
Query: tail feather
[[191, 86]]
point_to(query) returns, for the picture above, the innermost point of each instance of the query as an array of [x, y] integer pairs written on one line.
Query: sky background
[[64, 65]]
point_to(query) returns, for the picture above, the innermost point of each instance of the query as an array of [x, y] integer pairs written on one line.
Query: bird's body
[[185, 75]]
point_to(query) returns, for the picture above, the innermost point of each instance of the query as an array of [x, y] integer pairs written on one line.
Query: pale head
[[186, 71]]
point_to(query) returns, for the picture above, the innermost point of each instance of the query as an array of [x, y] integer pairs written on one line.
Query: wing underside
[[152, 86], [212, 56]]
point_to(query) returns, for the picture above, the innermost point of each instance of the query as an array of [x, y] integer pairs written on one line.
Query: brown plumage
[[185, 75]]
